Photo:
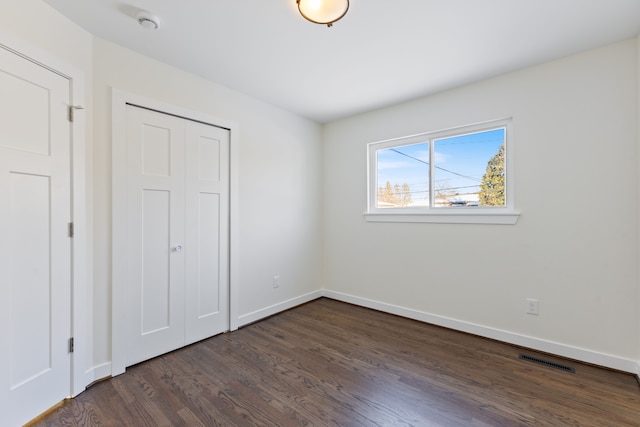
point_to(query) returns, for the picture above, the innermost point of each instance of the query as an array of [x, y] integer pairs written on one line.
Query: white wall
[[638, 136], [45, 28], [576, 132], [279, 220], [279, 210], [575, 246]]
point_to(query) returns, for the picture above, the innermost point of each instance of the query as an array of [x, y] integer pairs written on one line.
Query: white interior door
[[35, 251], [155, 232], [177, 231], [207, 249]]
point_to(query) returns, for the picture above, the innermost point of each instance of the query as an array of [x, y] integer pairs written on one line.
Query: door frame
[[120, 316], [81, 322]]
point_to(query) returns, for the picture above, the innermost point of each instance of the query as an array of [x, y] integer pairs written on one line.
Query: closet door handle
[[177, 248]]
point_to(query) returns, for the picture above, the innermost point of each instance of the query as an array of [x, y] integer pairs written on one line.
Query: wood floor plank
[[328, 363]]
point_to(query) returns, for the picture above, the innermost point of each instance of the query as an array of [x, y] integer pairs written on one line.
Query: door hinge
[[71, 109], [71, 345], [70, 229]]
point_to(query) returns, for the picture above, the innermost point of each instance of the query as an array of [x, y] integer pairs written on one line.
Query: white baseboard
[[576, 353], [98, 372], [277, 308], [626, 365]]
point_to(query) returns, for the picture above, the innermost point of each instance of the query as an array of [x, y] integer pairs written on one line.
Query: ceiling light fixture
[[148, 20], [324, 12]]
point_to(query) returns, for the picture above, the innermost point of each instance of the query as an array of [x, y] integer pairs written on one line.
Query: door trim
[[120, 99], [81, 323]]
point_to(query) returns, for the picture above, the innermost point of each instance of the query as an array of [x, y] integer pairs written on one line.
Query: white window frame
[[457, 215]]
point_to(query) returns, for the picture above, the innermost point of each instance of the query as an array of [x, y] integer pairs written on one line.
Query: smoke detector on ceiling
[[148, 20]]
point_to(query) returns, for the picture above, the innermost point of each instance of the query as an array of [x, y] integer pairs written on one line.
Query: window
[[459, 175]]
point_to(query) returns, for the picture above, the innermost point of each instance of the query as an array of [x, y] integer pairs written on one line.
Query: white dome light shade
[[323, 11]]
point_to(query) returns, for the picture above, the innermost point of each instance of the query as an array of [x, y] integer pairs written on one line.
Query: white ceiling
[[381, 53]]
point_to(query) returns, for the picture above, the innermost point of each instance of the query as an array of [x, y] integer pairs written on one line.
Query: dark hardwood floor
[[327, 363]]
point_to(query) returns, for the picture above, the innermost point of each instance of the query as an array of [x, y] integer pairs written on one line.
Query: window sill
[[476, 216]]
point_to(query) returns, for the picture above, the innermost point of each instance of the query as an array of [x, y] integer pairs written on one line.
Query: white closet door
[[155, 233], [35, 263], [178, 232], [207, 183]]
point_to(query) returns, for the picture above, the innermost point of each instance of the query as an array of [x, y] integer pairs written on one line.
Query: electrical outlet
[[276, 281], [532, 306]]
